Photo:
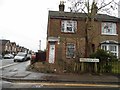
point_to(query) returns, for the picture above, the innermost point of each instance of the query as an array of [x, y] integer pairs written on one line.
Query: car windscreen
[[21, 54]]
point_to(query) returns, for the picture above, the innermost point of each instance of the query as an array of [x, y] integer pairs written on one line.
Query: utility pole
[[39, 44]]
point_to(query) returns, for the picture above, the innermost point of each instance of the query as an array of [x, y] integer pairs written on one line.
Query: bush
[[108, 68], [105, 58]]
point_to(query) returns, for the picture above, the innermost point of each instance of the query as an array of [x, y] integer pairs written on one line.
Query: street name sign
[[89, 60]]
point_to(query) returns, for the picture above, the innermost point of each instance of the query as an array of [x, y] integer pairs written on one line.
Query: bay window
[[113, 48]]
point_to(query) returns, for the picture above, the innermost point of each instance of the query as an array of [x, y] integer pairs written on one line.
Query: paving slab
[[10, 74], [34, 76], [21, 75]]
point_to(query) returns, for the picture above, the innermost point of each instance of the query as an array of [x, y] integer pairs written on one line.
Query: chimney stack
[[61, 6], [119, 9]]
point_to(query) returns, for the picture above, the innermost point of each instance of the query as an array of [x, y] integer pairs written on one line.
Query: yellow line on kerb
[[69, 84]]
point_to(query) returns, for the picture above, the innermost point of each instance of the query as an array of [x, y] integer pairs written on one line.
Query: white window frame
[[109, 28], [67, 53], [65, 24], [106, 47]]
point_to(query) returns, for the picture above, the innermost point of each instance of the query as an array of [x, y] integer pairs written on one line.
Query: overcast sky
[[25, 21]]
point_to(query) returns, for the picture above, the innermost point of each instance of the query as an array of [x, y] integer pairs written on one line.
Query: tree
[[91, 8]]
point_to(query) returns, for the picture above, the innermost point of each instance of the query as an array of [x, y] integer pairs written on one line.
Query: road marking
[[8, 65], [68, 84]]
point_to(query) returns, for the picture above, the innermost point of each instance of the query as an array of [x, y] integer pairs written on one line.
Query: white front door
[[52, 53]]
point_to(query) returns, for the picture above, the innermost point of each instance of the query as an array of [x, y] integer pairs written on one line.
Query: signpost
[[91, 60]]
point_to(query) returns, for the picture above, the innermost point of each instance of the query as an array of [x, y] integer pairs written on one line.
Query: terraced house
[[66, 34], [5, 46], [8, 47]]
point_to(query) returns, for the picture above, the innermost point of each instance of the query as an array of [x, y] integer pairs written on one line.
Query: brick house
[[5, 46], [66, 35], [13, 48]]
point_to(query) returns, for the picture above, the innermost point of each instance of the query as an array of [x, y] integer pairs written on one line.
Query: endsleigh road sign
[[90, 60]]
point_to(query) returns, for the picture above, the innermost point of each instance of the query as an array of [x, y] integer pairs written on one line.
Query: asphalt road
[[15, 67], [6, 62], [8, 67]]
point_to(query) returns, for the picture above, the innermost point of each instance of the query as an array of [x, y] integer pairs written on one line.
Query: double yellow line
[[67, 84]]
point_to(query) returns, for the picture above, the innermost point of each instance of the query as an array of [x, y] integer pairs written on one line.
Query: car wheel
[[14, 60]]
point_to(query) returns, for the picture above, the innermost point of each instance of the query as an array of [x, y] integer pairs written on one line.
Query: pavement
[[29, 76]]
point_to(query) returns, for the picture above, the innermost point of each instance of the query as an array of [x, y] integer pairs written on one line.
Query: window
[[68, 26], [113, 49], [104, 47], [109, 28], [110, 47], [70, 50]]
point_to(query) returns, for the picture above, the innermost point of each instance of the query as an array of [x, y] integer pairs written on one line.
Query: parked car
[[8, 56], [21, 56]]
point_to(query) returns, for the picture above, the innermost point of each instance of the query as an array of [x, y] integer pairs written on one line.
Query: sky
[[25, 21]]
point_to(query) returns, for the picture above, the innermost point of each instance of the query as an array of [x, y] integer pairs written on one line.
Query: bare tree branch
[[105, 5]]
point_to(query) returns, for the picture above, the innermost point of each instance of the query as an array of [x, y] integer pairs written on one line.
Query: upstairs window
[[68, 26], [109, 28], [70, 50]]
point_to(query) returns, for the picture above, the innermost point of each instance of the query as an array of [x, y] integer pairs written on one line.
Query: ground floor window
[[70, 50], [110, 47]]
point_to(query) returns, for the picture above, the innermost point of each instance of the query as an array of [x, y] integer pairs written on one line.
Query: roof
[[73, 15], [13, 43], [4, 41], [109, 42]]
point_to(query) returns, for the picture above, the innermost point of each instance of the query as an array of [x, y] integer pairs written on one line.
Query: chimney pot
[[61, 6]]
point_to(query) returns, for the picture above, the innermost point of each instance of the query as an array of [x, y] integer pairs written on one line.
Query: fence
[[40, 56]]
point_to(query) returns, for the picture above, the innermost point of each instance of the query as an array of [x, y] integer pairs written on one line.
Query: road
[[6, 63], [14, 67], [8, 67], [3, 64]]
